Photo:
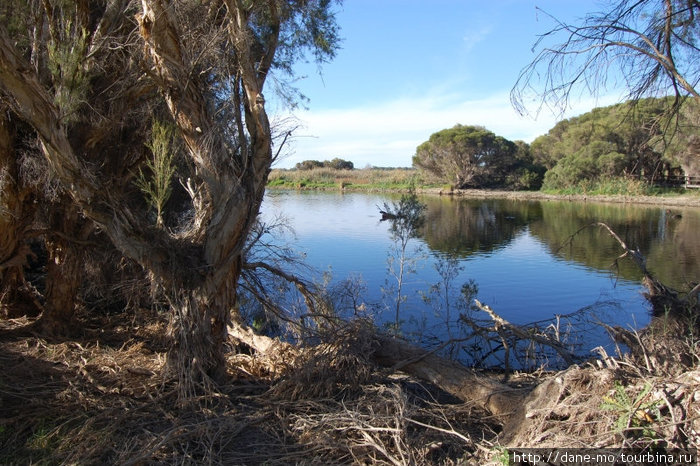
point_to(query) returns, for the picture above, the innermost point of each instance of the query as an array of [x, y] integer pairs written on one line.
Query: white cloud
[[387, 134], [473, 37]]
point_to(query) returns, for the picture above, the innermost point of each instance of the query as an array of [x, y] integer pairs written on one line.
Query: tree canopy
[[622, 140], [473, 157], [336, 164]]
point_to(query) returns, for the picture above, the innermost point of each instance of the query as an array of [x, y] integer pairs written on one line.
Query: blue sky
[[409, 68]]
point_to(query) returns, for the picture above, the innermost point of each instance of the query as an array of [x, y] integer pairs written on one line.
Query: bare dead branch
[[300, 284], [528, 334], [649, 45]]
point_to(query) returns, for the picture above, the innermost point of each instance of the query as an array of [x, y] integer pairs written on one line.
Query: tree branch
[[517, 331]]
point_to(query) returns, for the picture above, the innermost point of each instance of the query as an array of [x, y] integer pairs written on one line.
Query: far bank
[[401, 180]]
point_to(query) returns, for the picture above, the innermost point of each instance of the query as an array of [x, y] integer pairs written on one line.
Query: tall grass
[[367, 178], [615, 186]]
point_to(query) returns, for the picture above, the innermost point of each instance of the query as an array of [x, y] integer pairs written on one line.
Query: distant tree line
[[336, 163], [633, 140]]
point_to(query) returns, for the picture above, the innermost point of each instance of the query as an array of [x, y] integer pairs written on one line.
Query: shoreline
[[680, 200]]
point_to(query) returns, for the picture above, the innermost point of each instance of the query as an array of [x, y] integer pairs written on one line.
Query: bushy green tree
[[339, 164], [336, 163], [474, 157], [308, 165], [616, 141]]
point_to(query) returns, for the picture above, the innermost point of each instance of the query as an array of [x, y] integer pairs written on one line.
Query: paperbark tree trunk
[[17, 297], [228, 198], [198, 327], [65, 244], [62, 285], [198, 268]]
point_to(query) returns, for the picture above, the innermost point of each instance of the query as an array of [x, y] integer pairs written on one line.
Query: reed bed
[[364, 179]]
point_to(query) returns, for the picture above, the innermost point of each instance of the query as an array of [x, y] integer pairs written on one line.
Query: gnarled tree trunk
[[198, 327], [197, 268], [62, 285], [201, 66], [17, 297], [65, 244]]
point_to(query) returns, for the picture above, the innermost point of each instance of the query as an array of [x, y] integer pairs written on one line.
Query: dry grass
[[648, 398], [101, 398], [613, 407]]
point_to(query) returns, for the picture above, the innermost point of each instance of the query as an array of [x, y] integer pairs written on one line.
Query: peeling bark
[[64, 243], [17, 297], [198, 267], [62, 285]]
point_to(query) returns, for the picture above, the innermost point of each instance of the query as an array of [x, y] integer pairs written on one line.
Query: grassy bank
[[402, 179], [369, 179]]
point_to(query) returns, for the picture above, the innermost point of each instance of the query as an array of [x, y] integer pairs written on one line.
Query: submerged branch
[[519, 332], [662, 298]]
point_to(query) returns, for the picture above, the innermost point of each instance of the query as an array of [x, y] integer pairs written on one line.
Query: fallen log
[[395, 354], [466, 384]]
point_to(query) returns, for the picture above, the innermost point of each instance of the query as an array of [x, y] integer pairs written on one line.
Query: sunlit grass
[[363, 179], [620, 186], [402, 179]]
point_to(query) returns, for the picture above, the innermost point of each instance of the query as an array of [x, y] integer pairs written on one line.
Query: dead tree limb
[[389, 352], [466, 384], [298, 283], [523, 334], [662, 298]]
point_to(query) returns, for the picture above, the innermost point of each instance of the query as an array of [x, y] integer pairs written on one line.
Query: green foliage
[[474, 157], [608, 186], [619, 141], [339, 164], [684, 145], [308, 165], [502, 456], [157, 187], [66, 57], [638, 413]]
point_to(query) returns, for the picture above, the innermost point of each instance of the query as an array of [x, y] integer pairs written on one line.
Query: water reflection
[[520, 254], [668, 239], [464, 227]]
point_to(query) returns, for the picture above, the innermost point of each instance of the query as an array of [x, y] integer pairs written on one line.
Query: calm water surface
[[517, 252]]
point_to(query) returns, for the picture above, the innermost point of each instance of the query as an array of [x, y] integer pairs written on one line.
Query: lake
[[520, 255]]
